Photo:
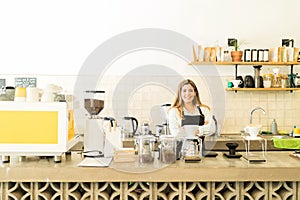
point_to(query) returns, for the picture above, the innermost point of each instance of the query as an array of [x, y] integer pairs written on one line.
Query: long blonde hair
[[178, 103]]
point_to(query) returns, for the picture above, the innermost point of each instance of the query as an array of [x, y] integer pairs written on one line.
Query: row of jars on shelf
[[221, 54], [268, 81]]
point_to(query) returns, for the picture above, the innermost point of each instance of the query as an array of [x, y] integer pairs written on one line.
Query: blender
[[94, 137]]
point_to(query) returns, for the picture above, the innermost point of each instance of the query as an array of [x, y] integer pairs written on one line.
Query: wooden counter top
[[279, 167]]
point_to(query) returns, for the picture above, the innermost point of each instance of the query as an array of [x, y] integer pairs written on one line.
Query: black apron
[[189, 120], [193, 119]]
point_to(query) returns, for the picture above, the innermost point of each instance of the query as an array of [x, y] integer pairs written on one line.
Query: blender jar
[[167, 149], [145, 145]]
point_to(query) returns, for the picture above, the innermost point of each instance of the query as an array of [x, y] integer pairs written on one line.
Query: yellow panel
[[70, 124], [28, 127]]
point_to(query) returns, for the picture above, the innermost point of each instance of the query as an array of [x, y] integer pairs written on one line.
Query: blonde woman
[[187, 109]]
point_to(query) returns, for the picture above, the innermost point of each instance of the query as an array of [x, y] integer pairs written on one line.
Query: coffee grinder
[[94, 137], [164, 109]]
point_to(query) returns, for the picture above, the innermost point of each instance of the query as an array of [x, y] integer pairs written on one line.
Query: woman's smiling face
[[188, 93]]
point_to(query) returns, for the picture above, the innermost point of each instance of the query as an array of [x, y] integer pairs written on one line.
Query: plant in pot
[[237, 54]]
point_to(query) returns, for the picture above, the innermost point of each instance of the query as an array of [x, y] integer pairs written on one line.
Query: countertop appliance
[[94, 137], [35, 129]]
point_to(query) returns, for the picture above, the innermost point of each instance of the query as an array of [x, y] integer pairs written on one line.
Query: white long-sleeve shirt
[[175, 120]]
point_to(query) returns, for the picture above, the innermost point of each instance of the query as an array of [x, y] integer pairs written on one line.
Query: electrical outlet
[[231, 42]]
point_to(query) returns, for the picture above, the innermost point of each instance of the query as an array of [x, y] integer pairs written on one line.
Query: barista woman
[[187, 109]]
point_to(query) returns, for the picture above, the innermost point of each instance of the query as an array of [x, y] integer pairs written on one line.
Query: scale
[[255, 157]]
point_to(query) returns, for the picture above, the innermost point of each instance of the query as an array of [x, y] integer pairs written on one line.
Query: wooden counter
[[212, 178], [279, 167]]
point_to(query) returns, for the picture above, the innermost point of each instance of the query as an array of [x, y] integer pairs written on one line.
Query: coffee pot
[[129, 126], [192, 149]]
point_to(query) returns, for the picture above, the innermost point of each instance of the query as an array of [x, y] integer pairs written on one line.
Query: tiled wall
[[144, 101], [280, 105]]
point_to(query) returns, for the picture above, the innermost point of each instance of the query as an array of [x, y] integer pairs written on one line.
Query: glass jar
[[227, 57], [267, 79], [285, 83], [167, 152], [145, 144], [276, 83]]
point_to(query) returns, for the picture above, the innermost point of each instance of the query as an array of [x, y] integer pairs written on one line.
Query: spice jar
[[266, 55], [247, 55], [260, 55], [253, 55]]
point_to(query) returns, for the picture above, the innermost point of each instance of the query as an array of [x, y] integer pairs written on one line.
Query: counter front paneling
[[36, 177]]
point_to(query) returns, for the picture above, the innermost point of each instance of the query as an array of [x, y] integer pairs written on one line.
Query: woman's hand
[[197, 132]]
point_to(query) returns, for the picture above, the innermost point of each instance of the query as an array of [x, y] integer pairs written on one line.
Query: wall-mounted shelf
[[244, 63], [236, 64], [261, 89]]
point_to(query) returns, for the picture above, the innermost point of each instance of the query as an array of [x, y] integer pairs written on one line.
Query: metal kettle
[[129, 126]]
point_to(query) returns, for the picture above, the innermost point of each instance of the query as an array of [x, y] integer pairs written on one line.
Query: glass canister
[[285, 83], [167, 148], [268, 78], [145, 144]]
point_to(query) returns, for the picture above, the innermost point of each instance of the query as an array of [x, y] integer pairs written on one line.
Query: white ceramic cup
[[267, 84], [32, 94], [236, 83], [190, 131], [253, 130]]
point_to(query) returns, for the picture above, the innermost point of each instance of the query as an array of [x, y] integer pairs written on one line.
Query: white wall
[[55, 37], [52, 39]]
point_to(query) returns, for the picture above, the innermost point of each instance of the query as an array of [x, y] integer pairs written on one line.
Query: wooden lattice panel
[[149, 190]]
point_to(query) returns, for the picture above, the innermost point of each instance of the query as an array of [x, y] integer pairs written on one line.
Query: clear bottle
[[227, 57], [274, 129]]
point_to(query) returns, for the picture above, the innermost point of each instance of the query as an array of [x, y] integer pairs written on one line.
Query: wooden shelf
[[244, 63], [261, 89]]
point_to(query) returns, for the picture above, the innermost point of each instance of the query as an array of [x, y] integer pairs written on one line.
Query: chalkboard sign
[[25, 82]]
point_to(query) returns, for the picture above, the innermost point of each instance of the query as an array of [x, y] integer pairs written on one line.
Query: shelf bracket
[[292, 83], [235, 73]]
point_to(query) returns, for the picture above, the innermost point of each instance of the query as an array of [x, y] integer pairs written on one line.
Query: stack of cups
[[20, 94], [32, 94]]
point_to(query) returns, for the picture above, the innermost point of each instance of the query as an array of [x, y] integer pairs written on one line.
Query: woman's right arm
[[174, 123]]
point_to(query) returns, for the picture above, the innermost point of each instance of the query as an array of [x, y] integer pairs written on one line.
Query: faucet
[[254, 109]]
